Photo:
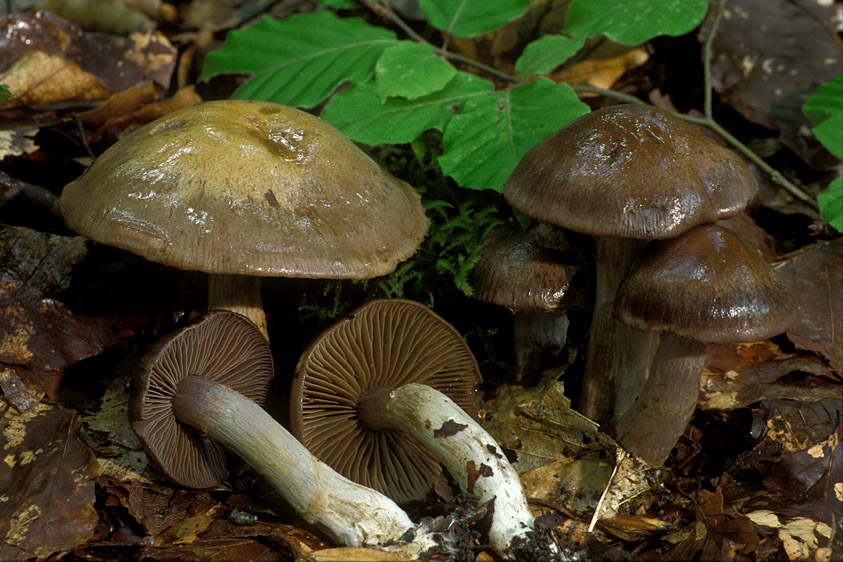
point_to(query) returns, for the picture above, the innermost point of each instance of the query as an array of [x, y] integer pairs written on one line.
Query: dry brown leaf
[[39, 78], [601, 73], [117, 63]]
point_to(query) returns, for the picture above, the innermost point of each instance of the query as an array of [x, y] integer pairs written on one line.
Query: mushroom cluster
[[626, 175], [243, 190]]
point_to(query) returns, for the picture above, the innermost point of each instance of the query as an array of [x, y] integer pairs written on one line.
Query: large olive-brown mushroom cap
[[632, 171], [382, 344], [221, 346], [242, 187]]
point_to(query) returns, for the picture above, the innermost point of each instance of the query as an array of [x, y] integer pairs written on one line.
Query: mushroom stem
[[238, 293], [539, 338], [654, 422], [618, 356], [470, 454], [351, 514]]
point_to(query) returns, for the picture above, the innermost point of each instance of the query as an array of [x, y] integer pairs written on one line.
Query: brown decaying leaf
[[47, 485], [816, 275], [40, 336], [768, 55], [93, 64]]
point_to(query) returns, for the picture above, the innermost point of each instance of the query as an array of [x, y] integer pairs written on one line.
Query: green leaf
[[358, 112], [633, 22], [825, 109], [831, 204], [545, 54], [6, 93], [411, 70], [468, 18], [342, 4], [483, 143], [300, 61]]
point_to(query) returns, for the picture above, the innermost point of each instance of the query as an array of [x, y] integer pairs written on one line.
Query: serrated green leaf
[[358, 112], [545, 54], [831, 204], [483, 143], [633, 22], [825, 109], [300, 61], [411, 70], [468, 18]]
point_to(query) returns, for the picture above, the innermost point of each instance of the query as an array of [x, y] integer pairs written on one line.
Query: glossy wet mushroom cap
[[244, 187], [518, 270], [382, 344], [221, 346], [708, 285], [632, 171]]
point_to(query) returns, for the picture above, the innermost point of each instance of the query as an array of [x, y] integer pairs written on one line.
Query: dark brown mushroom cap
[[221, 346], [517, 270], [708, 285], [632, 171], [243, 187], [382, 344]]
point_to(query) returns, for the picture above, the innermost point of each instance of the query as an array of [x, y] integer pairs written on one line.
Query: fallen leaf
[[816, 275], [39, 78], [47, 480], [103, 63], [767, 56]]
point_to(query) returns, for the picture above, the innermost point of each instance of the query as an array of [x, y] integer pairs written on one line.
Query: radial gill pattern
[[222, 346], [383, 344]]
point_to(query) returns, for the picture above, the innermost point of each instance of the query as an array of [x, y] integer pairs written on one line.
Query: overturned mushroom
[[243, 190], [706, 286], [358, 389], [184, 410], [625, 174]]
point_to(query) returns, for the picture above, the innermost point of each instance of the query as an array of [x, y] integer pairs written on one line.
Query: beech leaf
[[633, 22], [483, 143], [411, 70], [468, 18], [301, 60]]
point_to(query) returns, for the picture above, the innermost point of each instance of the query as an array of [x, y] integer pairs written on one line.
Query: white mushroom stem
[[470, 454], [618, 356], [349, 513], [654, 423], [240, 294]]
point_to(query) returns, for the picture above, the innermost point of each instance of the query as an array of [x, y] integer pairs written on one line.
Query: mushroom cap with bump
[[516, 269], [707, 284], [385, 343], [632, 171], [222, 346], [245, 187]]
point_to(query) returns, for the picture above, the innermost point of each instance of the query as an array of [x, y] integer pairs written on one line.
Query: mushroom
[[244, 189], [706, 286], [188, 401], [539, 275], [378, 389], [625, 174], [220, 346]]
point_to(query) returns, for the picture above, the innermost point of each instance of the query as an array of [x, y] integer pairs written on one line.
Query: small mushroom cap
[[221, 346], [517, 270], [385, 343], [252, 188], [708, 285], [632, 171]]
